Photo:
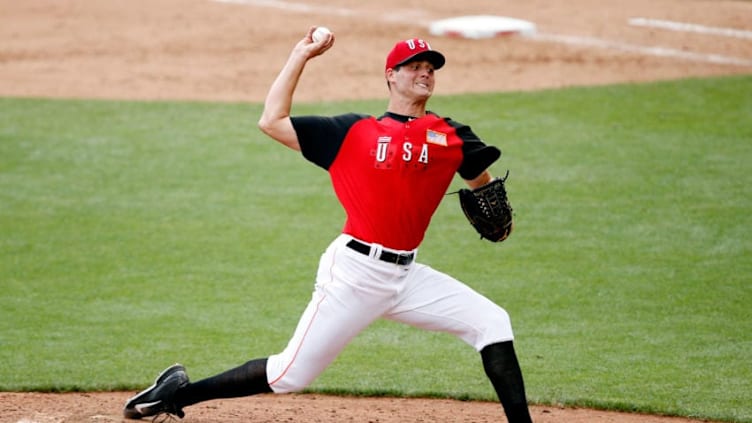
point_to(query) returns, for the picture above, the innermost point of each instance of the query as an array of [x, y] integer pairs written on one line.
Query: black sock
[[248, 379], [501, 366]]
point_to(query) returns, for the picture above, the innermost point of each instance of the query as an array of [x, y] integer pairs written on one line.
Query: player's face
[[415, 79]]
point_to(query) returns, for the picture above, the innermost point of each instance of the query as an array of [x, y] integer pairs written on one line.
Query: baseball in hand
[[320, 34]]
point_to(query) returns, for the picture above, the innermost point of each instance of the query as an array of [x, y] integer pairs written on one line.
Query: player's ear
[[389, 76]]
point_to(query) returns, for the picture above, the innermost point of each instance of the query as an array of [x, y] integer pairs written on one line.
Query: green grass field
[[137, 234]]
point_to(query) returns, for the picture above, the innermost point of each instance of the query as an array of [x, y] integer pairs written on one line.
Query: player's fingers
[[321, 47], [309, 35], [329, 42], [309, 48]]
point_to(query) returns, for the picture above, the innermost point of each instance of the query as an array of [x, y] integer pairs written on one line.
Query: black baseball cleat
[[159, 397]]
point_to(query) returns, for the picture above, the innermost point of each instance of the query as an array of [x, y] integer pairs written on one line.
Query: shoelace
[[163, 417]]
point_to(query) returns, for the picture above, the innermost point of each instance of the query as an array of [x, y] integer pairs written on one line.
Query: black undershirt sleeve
[[477, 156], [321, 137]]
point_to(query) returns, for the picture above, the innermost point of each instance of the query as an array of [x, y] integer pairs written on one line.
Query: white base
[[481, 26]]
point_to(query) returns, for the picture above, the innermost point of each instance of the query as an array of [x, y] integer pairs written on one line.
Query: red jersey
[[390, 173]]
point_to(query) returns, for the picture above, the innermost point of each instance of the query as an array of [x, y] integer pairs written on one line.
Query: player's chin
[[423, 92]]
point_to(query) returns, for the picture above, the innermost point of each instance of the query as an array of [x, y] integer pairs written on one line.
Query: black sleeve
[[321, 137], [476, 155]]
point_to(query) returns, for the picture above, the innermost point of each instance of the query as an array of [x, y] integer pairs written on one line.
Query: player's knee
[[497, 327], [294, 380], [291, 380], [289, 385], [500, 321], [286, 377]]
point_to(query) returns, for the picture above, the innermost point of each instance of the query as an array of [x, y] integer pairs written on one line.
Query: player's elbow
[[280, 130], [265, 125]]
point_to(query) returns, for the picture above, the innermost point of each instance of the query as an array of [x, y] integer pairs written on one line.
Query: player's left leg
[[502, 368], [435, 301]]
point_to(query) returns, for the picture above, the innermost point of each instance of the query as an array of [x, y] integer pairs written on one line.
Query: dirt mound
[[107, 407]]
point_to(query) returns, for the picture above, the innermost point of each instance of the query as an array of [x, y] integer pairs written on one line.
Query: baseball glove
[[488, 209]]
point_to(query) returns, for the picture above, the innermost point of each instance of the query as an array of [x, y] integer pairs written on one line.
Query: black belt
[[387, 256]]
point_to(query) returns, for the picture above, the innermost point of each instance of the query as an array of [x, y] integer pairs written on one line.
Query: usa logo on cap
[[411, 50]]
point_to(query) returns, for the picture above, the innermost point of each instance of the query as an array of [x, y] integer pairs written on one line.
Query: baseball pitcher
[[389, 173]]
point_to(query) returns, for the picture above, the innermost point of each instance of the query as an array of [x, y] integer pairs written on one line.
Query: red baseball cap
[[411, 50]]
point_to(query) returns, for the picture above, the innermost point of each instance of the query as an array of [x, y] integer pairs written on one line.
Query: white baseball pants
[[353, 289]]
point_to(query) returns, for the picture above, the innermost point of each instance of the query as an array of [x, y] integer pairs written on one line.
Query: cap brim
[[437, 59]]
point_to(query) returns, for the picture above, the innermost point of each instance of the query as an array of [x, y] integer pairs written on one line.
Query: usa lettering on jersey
[[409, 153], [382, 148]]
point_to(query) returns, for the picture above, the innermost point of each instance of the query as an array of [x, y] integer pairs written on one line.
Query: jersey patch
[[435, 137]]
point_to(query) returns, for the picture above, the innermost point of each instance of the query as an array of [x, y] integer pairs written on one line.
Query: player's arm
[[484, 178], [275, 119], [477, 157]]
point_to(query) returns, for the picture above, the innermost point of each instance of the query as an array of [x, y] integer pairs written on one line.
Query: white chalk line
[[294, 7], [646, 50], [690, 27], [414, 17]]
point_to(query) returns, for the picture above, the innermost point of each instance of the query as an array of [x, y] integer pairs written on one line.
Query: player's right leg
[[352, 290], [349, 295]]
